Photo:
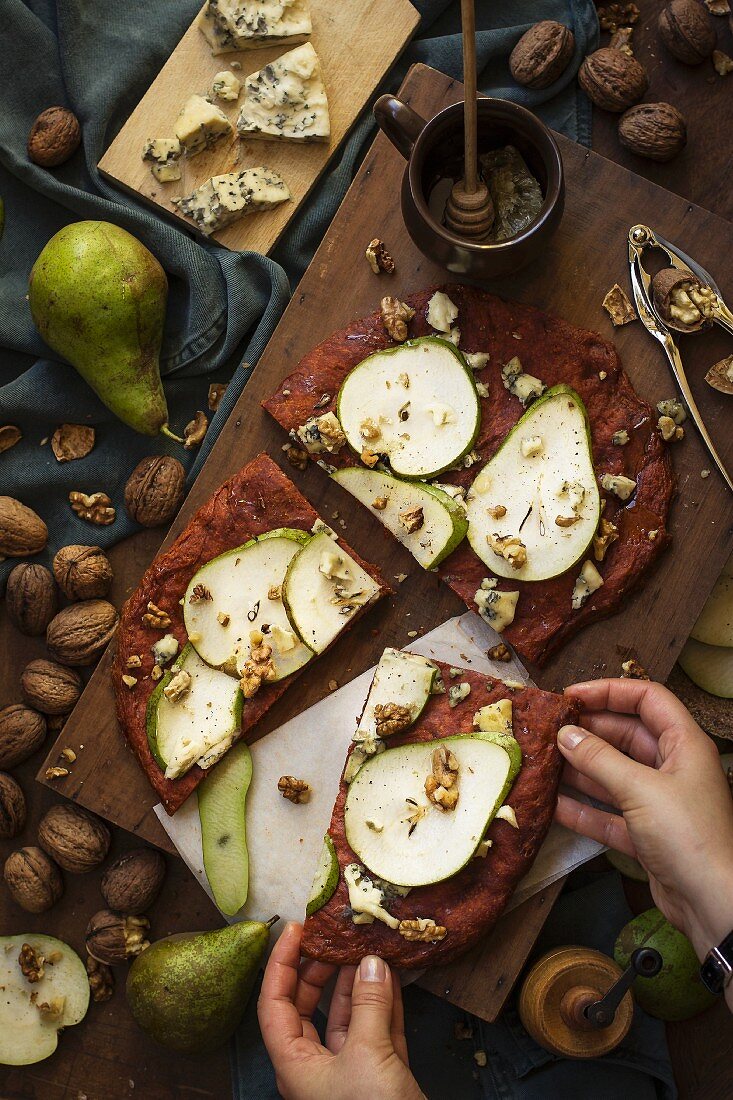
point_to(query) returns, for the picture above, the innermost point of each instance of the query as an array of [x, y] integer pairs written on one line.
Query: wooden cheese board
[[356, 41], [585, 258]]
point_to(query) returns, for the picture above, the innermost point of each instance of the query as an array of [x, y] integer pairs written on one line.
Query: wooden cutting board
[[356, 41], [586, 257]]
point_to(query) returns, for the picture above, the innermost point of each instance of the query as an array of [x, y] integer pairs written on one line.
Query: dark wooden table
[[107, 1057]]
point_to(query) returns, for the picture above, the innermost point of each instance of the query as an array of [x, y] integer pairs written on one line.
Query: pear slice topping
[[534, 509], [422, 427], [424, 518], [237, 595], [419, 839], [325, 879]]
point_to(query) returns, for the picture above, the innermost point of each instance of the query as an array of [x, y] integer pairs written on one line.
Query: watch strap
[[717, 968]]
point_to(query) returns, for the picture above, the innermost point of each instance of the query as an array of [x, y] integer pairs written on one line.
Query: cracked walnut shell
[[30, 598], [79, 633], [72, 441], [656, 131], [154, 490], [682, 301], [113, 938], [612, 80], [75, 838], [82, 572], [55, 136], [33, 879], [542, 54], [686, 31], [49, 687]]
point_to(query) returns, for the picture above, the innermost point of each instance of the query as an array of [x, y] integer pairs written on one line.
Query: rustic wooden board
[[586, 257], [356, 40]]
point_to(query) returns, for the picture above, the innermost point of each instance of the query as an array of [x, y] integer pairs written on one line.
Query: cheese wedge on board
[[229, 25], [286, 100], [224, 199]]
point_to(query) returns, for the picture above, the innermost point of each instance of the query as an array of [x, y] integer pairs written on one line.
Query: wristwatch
[[717, 968]]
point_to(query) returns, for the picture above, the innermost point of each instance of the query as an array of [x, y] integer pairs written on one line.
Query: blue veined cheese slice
[[224, 199], [163, 155], [200, 124], [286, 100], [229, 25]]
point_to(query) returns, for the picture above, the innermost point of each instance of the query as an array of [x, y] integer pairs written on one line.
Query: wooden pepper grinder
[[576, 1002], [469, 211]]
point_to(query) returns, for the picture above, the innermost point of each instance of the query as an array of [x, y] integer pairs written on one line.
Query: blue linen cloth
[[99, 59]]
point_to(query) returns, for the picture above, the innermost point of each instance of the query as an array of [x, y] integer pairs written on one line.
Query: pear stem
[[273, 920], [165, 430]]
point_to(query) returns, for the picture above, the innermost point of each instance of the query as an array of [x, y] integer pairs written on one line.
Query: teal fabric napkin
[[99, 59]]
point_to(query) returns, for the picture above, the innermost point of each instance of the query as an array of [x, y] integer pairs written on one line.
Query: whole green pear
[[189, 991], [97, 296]]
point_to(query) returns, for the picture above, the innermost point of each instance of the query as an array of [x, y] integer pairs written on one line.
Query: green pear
[[189, 991], [98, 297]]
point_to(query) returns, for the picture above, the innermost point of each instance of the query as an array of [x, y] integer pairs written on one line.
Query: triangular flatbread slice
[[286, 100]]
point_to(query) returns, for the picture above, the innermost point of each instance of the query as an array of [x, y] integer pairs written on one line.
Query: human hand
[[639, 750], [365, 1055]]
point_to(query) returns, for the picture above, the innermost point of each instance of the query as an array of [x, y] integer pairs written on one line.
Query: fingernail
[[571, 736], [372, 969]]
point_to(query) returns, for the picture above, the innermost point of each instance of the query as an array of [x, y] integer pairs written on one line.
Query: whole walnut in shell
[[612, 79], [49, 687], [76, 839], [12, 807], [54, 137], [82, 572], [22, 731], [79, 633], [542, 54], [686, 31], [656, 131], [21, 530], [31, 598], [33, 879], [132, 883], [154, 490]]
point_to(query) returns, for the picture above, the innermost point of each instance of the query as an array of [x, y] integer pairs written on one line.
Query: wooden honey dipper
[[469, 211]]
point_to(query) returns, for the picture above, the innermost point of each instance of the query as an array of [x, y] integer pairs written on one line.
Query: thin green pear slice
[[29, 1030], [399, 834], [206, 720], [324, 588], [709, 666], [222, 797], [325, 879], [416, 404], [406, 679], [539, 488], [442, 520], [715, 625], [238, 593]]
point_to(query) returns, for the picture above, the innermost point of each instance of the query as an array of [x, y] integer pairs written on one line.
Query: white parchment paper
[[284, 840]]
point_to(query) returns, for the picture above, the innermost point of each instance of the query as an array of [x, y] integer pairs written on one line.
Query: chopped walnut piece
[[421, 930], [216, 392], [497, 511], [295, 790], [718, 7], [412, 519], [622, 40], [222, 618], [500, 652], [68, 754], [296, 456], [613, 16], [669, 431], [441, 786], [632, 670], [322, 401], [55, 773], [369, 458], [391, 718], [135, 661], [195, 431], [275, 592], [330, 431], [606, 534], [156, 618], [618, 307], [179, 687], [31, 963], [71, 441], [257, 670], [395, 315], [379, 504], [101, 980], [509, 547], [369, 430], [379, 258], [51, 1011], [200, 594], [156, 672], [722, 63], [480, 1058], [129, 681], [566, 521], [93, 507]]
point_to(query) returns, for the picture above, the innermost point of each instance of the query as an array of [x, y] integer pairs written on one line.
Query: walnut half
[[422, 930], [295, 790], [395, 315], [391, 718], [441, 786], [93, 507]]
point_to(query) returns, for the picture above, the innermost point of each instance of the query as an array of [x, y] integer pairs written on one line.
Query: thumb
[[371, 1002], [597, 760]]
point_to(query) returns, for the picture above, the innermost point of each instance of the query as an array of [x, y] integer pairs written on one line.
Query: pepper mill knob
[[576, 1002]]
